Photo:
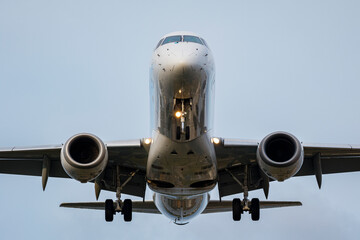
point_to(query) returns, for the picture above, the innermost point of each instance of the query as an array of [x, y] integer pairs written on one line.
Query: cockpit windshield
[[180, 38], [194, 39], [172, 39]]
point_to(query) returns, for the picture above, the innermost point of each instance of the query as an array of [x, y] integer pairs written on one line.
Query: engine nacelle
[[84, 157], [280, 155]]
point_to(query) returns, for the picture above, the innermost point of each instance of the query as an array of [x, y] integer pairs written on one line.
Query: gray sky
[[82, 66]]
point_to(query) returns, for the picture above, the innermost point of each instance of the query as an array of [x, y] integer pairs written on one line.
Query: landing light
[[215, 140], [178, 114], [147, 140]]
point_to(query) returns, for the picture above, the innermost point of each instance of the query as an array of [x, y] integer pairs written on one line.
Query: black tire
[[255, 209], [127, 210], [109, 210], [236, 209]]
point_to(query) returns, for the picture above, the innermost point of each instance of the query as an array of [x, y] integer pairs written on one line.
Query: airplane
[[182, 161]]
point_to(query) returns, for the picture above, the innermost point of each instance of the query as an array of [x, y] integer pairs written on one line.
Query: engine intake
[[280, 155], [84, 157]]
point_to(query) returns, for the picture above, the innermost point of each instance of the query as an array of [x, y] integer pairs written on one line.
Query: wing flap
[[330, 165], [29, 161], [334, 158], [31, 168]]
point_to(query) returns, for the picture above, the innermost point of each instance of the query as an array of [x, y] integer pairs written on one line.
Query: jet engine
[[280, 155], [84, 157]]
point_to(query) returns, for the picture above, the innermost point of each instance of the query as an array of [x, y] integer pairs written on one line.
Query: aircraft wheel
[[127, 210], [237, 209], [109, 210], [255, 209]]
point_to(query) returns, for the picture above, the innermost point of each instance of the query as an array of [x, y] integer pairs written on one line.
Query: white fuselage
[[181, 167]]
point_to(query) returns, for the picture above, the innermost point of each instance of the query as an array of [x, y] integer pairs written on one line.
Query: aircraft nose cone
[[184, 63], [182, 69], [181, 58]]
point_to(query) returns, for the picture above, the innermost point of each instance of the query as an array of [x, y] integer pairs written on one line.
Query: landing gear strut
[[239, 207], [111, 207]]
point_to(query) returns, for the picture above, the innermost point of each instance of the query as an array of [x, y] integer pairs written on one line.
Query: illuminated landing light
[[178, 114], [215, 140], [147, 141]]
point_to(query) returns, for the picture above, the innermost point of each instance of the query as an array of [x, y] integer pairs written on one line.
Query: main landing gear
[[123, 207], [112, 208], [239, 207]]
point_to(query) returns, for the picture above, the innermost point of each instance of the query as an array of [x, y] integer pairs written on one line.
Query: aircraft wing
[[131, 156], [235, 157]]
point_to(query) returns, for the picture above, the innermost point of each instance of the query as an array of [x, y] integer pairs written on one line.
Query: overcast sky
[[82, 66]]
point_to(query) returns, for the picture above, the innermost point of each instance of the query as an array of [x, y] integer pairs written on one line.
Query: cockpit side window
[[204, 42], [193, 39], [158, 45], [172, 39]]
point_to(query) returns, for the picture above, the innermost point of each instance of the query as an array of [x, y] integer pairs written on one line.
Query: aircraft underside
[[182, 161]]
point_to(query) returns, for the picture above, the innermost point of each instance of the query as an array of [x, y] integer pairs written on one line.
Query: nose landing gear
[[183, 108]]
